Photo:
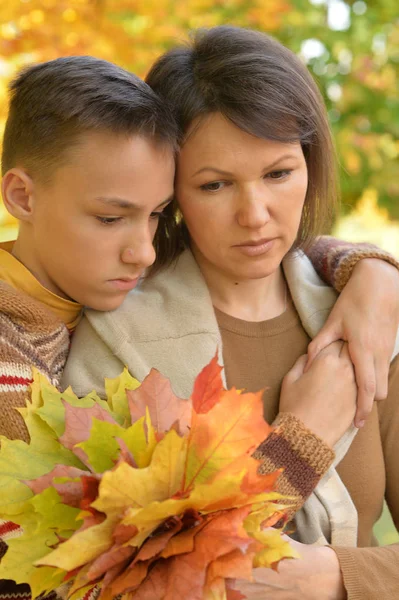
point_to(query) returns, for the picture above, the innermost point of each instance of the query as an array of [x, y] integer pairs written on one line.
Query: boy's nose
[[141, 254]]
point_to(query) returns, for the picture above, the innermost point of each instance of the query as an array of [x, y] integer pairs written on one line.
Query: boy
[[88, 165]]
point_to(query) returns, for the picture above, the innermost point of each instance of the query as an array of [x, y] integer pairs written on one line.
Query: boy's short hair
[[53, 103]]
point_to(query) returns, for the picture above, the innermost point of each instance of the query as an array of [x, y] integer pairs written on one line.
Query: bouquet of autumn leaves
[[145, 494]]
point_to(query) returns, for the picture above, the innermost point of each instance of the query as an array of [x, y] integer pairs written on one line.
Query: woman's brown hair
[[265, 90]]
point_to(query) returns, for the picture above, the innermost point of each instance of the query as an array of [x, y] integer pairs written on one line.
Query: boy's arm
[[30, 336], [334, 259], [366, 314]]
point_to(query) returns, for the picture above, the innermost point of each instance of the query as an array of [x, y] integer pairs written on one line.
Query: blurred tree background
[[351, 47]]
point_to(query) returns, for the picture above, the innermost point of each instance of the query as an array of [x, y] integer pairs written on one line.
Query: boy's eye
[[108, 220], [281, 174], [157, 215], [213, 186]]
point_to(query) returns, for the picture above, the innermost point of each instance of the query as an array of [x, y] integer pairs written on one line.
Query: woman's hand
[[314, 576], [323, 397], [366, 315]]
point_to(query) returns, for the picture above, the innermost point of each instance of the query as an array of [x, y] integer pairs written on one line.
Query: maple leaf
[[41, 483], [79, 421], [166, 410], [208, 387], [117, 391], [234, 427]]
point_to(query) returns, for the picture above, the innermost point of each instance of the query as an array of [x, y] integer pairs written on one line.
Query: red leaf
[[124, 533], [234, 594], [208, 387], [41, 483], [78, 422], [108, 560], [153, 546], [71, 492], [165, 408], [90, 492]]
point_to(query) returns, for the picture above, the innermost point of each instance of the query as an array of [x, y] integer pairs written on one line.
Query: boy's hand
[[366, 315], [323, 397]]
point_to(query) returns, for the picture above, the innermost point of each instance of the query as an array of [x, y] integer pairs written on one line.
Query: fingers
[[381, 378], [327, 335], [297, 370], [363, 362]]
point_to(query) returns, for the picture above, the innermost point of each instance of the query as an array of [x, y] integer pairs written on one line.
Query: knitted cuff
[[335, 259], [303, 456], [350, 259]]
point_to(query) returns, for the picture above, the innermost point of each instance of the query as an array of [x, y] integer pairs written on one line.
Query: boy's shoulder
[[26, 311], [30, 336]]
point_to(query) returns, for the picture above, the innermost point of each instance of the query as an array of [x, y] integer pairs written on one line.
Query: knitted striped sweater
[[30, 335]]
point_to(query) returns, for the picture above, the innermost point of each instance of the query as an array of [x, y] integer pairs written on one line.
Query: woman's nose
[[253, 211]]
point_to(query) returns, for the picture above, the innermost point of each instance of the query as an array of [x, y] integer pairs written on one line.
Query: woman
[[255, 180]]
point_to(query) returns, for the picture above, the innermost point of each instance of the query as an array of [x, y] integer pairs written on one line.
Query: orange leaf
[[154, 586], [222, 534], [130, 579], [208, 387], [234, 427]]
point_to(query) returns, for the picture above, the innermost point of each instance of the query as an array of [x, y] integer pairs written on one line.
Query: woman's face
[[241, 198]]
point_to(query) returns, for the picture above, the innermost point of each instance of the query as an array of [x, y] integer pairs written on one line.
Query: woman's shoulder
[[312, 298]]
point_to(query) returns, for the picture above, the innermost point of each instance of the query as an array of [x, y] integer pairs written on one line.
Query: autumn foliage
[[146, 495]]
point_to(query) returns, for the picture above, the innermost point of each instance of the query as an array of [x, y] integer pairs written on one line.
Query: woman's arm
[[366, 315], [371, 573], [326, 573]]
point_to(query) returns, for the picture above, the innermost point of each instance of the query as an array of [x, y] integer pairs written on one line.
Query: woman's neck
[[250, 299]]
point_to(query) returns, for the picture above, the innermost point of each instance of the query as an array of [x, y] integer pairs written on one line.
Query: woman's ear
[[17, 190]]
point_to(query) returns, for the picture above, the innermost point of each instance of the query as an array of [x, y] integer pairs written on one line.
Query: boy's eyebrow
[[121, 203]]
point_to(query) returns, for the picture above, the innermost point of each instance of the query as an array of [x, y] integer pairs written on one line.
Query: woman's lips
[[124, 284], [255, 248]]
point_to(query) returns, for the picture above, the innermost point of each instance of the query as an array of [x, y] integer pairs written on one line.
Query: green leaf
[[44, 519], [116, 394]]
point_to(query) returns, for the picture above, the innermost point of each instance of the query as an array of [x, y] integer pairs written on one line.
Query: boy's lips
[[125, 284]]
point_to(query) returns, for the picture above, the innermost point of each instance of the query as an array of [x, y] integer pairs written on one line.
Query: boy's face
[[93, 224]]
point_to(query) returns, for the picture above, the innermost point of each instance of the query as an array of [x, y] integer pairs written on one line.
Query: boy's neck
[[24, 251], [17, 274]]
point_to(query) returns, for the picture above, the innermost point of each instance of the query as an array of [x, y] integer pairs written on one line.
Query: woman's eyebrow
[[227, 173]]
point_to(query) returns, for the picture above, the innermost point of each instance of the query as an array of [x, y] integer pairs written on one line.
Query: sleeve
[[371, 573], [303, 457], [335, 259], [30, 335]]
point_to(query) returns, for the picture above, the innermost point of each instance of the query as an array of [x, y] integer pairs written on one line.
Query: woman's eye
[[281, 174], [214, 186], [108, 220]]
